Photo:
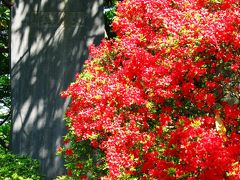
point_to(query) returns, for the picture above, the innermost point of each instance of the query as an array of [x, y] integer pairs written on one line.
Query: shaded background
[[49, 43]]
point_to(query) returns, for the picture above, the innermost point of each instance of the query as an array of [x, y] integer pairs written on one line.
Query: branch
[[5, 119]]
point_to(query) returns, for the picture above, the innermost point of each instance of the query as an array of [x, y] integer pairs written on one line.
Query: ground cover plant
[[161, 99], [17, 167]]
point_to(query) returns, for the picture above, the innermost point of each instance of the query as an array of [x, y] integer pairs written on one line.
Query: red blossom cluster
[[161, 100]]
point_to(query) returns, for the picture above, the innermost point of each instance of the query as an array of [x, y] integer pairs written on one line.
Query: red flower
[[66, 141], [69, 152], [59, 149], [69, 172], [94, 143], [79, 165], [83, 178], [210, 99], [147, 99]]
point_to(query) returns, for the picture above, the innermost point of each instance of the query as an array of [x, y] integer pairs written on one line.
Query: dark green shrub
[[109, 14], [18, 167], [4, 134]]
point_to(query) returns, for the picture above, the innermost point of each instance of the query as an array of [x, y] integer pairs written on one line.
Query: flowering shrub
[[161, 100]]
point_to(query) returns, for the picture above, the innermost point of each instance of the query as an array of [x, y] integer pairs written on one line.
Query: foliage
[[90, 160], [5, 133], [14, 166], [110, 2], [5, 100], [17, 167], [161, 100], [4, 22], [109, 14], [63, 178]]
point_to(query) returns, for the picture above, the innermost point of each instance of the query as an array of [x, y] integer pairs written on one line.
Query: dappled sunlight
[[49, 43]]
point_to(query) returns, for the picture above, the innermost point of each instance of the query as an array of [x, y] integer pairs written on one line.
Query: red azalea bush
[[161, 100]]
